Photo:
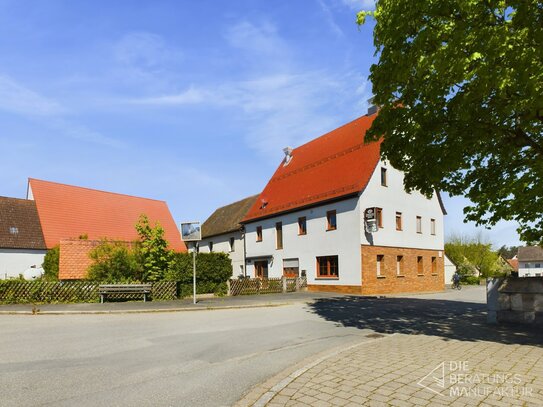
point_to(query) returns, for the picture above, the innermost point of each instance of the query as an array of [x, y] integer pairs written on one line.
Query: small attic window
[[264, 203], [13, 230]]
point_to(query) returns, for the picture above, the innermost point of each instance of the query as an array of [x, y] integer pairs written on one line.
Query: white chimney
[[288, 154]]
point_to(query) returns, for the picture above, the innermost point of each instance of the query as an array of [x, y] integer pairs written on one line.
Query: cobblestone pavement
[[412, 370]]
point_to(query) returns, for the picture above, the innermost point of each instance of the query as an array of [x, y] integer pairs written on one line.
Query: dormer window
[[263, 204]]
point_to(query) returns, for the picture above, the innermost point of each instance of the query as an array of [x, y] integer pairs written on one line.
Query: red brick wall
[[74, 259], [410, 280]]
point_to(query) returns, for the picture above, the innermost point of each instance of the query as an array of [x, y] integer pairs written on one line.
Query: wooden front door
[[261, 269]]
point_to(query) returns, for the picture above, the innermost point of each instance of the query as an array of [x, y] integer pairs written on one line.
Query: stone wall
[[519, 300]]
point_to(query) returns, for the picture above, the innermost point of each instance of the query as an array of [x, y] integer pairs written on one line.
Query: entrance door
[[291, 268], [261, 269]]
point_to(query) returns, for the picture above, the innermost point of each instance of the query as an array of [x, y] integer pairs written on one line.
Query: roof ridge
[[19, 199], [333, 130], [240, 200], [96, 190]]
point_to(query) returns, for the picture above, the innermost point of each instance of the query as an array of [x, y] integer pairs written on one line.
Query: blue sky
[[186, 101]]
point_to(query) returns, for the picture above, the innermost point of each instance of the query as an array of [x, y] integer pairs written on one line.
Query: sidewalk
[[244, 301], [411, 370]]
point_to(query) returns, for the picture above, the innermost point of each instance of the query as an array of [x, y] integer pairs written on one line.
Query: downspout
[[244, 251]]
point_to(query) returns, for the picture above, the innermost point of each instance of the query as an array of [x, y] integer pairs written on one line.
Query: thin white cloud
[[22, 101], [358, 5], [187, 97], [15, 98], [329, 17]]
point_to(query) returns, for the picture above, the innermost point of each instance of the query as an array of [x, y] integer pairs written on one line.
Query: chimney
[[288, 155], [372, 109]]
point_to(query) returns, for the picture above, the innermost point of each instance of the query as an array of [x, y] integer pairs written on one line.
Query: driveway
[[208, 358]]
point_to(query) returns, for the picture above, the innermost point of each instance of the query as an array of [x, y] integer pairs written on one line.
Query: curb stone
[[261, 394], [144, 311]]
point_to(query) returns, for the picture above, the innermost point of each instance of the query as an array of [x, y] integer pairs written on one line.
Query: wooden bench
[[106, 289]]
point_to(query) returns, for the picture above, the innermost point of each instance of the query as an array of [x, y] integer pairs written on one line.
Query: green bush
[[471, 280], [114, 262], [212, 272], [50, 264]]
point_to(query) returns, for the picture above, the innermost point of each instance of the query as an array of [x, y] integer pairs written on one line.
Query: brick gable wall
[[74, 259]]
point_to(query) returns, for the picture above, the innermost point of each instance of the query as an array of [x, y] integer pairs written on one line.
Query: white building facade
[[310, 221], [530, 261]]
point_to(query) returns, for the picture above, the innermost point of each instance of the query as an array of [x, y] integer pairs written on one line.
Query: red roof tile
[[335, 165], [67, 211]]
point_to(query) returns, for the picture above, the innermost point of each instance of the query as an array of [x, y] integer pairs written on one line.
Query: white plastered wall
[[221, 243], [15, 261]]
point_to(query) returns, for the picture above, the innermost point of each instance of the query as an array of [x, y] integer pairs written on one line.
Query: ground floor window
[[328, 267]]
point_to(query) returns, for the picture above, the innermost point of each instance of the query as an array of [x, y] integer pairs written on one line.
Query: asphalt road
[[206, 358]]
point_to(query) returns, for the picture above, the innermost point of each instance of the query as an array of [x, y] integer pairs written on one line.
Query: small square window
[[13, 230], [331, 220]]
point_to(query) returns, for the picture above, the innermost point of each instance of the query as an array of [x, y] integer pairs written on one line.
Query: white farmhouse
[[222, 232], [337, 214], [530, 261], [22, 245]]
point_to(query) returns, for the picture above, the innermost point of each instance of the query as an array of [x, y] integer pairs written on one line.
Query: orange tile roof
[[335, 165], [67, 211]]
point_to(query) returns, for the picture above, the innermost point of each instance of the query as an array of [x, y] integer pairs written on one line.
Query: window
[[433, 226], [420, 266], [399, 265], [278, 235], [419, 224], [210, 246], [232, 243], [434, 265], [398, 221], [380, 265], [13, 230], [259, 233], [538, 265], [379, 217], [331, 221], [383, 176], [302, 226], [327, 267]]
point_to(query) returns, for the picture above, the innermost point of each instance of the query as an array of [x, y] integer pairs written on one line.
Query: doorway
[[261, 269]]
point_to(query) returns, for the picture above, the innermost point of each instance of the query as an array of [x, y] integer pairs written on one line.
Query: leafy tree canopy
[[460, 89]]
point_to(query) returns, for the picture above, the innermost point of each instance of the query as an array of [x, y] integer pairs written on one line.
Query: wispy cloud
[[22, 101], [329, 17], [15, 98], [358, 5], [286, 105]]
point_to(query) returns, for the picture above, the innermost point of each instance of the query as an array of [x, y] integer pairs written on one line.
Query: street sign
[[191, 231]]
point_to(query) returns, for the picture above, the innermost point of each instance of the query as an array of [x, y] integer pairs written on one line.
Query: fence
[[69, 291], [251, 286]]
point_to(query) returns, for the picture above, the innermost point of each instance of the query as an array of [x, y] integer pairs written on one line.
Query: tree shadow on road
[[447, 319]]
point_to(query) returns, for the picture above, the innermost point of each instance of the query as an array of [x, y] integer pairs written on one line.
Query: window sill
[[420, 275], [326, 278], [400, 276], [434, 274], [381, 276], [259, 241], [331, 230], [302, 234]]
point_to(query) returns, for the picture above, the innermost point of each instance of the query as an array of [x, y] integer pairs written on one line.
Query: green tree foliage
[[153, 248], [212, 272], [472, 254], [114, 262], [460, 89], [50, 264]]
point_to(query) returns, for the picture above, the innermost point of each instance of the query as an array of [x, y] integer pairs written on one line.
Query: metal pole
[[194, 274]]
